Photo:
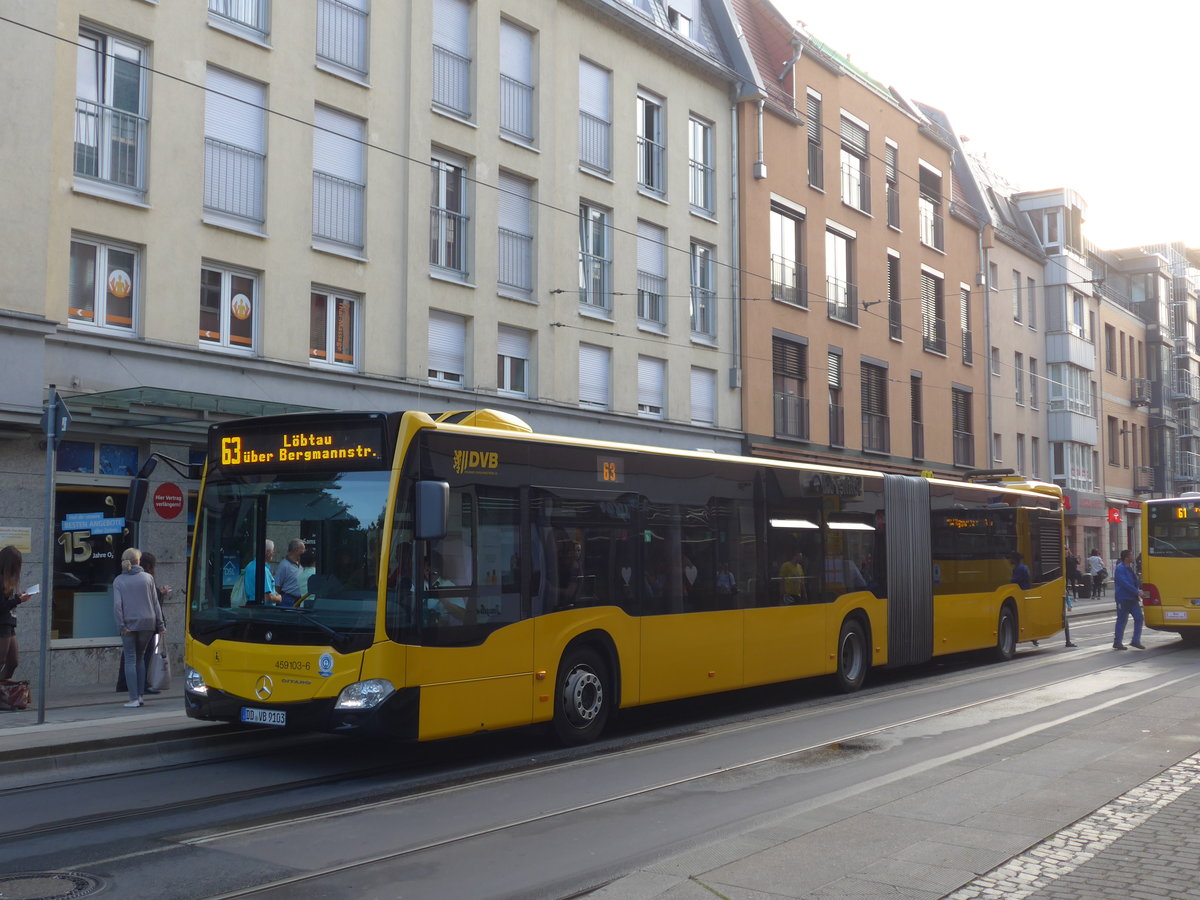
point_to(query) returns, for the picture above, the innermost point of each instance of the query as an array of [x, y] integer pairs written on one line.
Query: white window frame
[[452, 57], [595, 117], [703, 317], [513, 370], [230, 306], [447, 349], [1019, 378], [449, 219], [249, 18], [652, 275], [651, 387], [335, 303], [517, 90], [112, 133], [339, 178], [595, 257], [651, 143], [112, 283], [702, 180], [235, 149]]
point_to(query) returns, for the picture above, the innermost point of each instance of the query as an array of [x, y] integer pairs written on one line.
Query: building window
[[110, 111], [512, 361], [681, 16], [339, 178], [895, 306], [702, 182], [234, 146], [651, 386], [1016, 297], [1072, 465], [515, 234], [789, 278], [1033, 383], [704, 291], [1019, 378], [789, 370], [594, 376], [962, 427], [996, 361], [333, 328], [595, 258], [917, 403], [652, 275], [929, 209], [876, 428], [1031, 300], [1114, 441], [856, 182], [448, 219], [933, 313], [447, 348], [841, 293], [816, 154], [651, 143], [248, 16], [1110, 349], [1070, 388], [891, 175], [516, 82], [87, 458], [228, 307], [964, 325], [1021, 466], [103, 284], [997, 448], [595, 117], [451, 56], [837, 408], [1035, 456], [704, 396], [342, 31]]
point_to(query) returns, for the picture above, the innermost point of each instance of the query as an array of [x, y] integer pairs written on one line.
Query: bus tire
[[1006, 633], [853, 660], [583, 696]]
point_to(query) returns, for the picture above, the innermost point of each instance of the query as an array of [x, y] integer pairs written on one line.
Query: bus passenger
[[250, 573], [569, 571], [308, 568], [1128, 594], [791, 575], [726, 583], [287, 575], [1020, 573]]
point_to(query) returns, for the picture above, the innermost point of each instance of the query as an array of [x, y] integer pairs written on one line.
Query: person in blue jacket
[[1128, 594]]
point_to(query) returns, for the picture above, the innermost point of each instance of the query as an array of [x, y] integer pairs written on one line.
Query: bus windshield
[[1173, 529], [244, 530]]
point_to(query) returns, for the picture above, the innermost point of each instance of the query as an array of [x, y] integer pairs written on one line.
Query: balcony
[[933, 333], [816, 166], [448, 239], [791, 416], [516, 109], [789, 281], [837, 425], [841, 300], [233, 180], [964, 448], [342, 35], [918, 440], [651, 157], [651, 292], [248, 15], [337, 210], [1140, 392], [1185, 386], [932, 224], [968, 355], [451, 81], [876, 433], [856, 188], [593, 281], [110, 145], [893, 205], [515, 268], [1187, 466], [594, 144]]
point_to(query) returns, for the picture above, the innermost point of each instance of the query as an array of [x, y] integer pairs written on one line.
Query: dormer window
[[681, 14]]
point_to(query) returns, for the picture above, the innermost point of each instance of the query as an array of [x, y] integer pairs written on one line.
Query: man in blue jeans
[[1128, 602]]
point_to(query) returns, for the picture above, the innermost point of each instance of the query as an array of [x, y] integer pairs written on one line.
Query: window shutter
[[915, 396], [704, 389], [594, 90], [516, 52], [593, 375], [651, 249], [337, 145], [514, 203], [652, 374], [228, 115], [789, 358], [928, 301], [854, 136], [835, 371], [512, 342], [889, 163], [961, 412], [451, 22], [874, 392], [814, 119], [447, 342]]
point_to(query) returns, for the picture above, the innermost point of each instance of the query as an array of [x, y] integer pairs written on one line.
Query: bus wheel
[[1006, 633], [583, 698], [852, 660]]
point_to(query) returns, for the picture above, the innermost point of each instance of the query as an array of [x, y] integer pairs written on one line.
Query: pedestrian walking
[[11, 597], [139, 617], [1128, 594]]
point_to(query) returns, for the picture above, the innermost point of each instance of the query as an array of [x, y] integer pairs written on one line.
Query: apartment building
[[236, 207], [860, 272]]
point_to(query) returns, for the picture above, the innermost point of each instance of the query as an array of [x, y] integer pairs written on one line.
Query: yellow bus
[[1171, 565], [468, 574]]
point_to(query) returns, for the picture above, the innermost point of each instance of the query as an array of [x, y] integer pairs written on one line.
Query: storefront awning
[[161, 409]]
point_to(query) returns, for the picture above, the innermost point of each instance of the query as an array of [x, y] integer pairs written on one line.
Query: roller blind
[[594, 375], [447, 342], [233, 110]]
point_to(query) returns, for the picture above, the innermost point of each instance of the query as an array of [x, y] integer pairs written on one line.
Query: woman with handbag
[[10, 598], [139, 617]]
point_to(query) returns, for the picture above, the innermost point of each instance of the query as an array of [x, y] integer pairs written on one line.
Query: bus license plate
[[264, 716], [1176, 614]]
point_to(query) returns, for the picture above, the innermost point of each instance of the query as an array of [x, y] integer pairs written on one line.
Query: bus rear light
[[1150, 595]]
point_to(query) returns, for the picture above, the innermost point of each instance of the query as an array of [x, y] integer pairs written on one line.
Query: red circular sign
[[168, 500]]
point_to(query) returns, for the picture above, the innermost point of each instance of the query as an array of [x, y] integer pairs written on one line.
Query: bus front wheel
[[1006, 633], [583, 698], [852, 659]]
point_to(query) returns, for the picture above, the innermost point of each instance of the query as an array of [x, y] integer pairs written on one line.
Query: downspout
[[735, 370], [983, 279]]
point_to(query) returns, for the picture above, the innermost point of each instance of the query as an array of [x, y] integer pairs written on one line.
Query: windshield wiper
[[336, 637]]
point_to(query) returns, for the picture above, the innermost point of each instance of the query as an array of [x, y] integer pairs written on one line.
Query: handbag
[[14, 695], [159, 676]]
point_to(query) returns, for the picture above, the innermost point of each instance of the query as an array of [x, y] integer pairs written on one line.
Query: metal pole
[[51, 432]]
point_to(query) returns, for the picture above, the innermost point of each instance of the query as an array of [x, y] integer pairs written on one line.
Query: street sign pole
[[54, 424]]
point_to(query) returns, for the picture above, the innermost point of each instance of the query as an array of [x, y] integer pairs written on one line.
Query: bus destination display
[[335, 446]]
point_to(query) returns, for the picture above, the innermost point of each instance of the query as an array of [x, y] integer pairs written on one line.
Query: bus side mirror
[[433, 501], [135, 503]]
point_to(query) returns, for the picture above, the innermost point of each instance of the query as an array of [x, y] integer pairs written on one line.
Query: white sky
[[1099, 97]]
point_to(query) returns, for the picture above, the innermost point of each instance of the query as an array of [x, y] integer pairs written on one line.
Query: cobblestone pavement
[[1144, 844]]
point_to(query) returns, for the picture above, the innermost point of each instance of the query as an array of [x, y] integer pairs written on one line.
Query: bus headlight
[[193, 681], [365, 694]]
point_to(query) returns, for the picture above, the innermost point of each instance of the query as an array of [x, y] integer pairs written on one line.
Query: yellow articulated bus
[[464, 574], [1171, 565]]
